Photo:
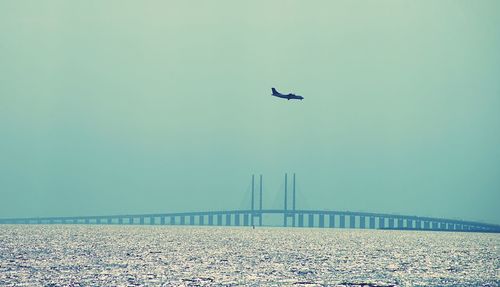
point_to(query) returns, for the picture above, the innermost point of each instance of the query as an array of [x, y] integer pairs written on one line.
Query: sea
[[117, 255]]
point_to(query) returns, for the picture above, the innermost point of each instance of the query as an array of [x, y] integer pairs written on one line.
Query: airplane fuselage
[[288, 97]]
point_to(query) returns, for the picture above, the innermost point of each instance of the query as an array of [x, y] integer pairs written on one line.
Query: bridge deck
[[315, 218]]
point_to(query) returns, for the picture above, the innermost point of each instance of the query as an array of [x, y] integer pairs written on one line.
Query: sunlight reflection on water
[[66, 255]]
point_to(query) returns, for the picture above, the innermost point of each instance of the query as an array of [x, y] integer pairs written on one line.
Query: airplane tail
[[274, 91]]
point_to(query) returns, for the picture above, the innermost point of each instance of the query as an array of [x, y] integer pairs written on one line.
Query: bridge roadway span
[[291, 218]]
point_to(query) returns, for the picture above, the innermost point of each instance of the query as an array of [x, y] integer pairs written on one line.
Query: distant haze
[[112, 107]]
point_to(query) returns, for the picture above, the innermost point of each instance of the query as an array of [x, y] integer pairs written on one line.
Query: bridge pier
[[191, 220], [331, 221], [400, 223], [289, 217], [141, 220], [426, 225], [237, 219], [321, 220], [110, 220], [418, 224], [210, 219], [311, 220], [98, 221], [219, 219], [183, 220], [409, 223], [381, 222], [151, 220], [352, 221], [434, 225], [172, 220], [301, 220], [372, 222], [120, 220], [442, 226], [362, 222], [391, 222], [162, 220], [245, 219], [342, 221], [201, 220], [228, 219]]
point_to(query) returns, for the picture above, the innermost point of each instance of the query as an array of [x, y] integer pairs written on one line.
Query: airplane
[[288, 97]]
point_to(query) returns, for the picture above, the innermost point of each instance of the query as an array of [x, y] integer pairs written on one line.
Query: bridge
[[292, 217]]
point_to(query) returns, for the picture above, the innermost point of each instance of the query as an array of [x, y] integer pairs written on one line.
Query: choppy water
[[65, 255]]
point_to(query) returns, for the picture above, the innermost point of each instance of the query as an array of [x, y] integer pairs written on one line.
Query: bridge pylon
[[287, 214], [253, 212]]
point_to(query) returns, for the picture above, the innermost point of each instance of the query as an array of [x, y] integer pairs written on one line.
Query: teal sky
[[110, 107]]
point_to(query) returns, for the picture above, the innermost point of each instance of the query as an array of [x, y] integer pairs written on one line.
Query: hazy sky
[[110, 107]]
